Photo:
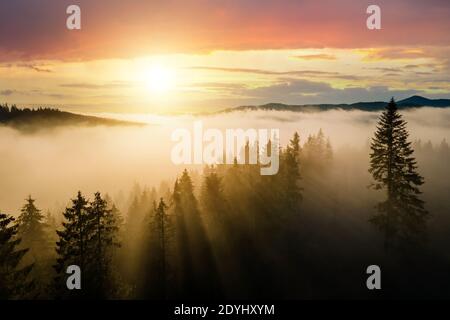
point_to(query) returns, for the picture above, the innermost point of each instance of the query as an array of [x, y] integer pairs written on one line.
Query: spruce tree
[[31, 226], [131, 248], [290, 174], [216, 210], [402, 216], [87, 240], [73, 249], [185, 265], [50, 228], [14, 282], [154, 282], [102, 241], [212, 196], [198, 271], [328, 151], [161, 225], [32, 231]]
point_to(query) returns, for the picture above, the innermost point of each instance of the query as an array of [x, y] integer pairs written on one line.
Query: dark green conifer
[[14, 282], [402, 215]]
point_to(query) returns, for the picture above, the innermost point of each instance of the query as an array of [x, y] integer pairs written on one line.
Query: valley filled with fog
[[52, 164], [244, 220]]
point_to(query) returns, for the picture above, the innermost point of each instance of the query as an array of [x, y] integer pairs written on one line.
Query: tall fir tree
[[103, 241], [131, 249], [161, 226], [212, 195], [402, 216], [198, 276], [14, 281], [72, 248], [30, 225], [290, 176], [87, 240], [155, 279], [35, 237]]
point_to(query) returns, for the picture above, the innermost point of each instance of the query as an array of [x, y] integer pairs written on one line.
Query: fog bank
[[52, 165]]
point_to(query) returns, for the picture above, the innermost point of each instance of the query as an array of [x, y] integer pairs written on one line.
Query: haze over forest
[[131, 168], [362, 104], [69, 157]]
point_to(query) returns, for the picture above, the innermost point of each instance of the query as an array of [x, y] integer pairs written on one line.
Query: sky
[[169, 56]]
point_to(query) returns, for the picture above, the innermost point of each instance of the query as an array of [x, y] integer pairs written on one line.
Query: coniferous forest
[[229, 232]]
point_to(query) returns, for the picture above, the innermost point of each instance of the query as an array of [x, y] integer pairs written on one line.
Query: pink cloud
[[36, 29]]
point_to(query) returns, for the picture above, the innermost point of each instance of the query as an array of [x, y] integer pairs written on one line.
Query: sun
[[159, 79]]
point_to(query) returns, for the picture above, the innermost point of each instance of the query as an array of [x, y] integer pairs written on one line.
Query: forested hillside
[[34, 119], [308, 232]]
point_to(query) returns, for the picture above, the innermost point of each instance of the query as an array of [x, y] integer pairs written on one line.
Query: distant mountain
[[43, 118], [411, 102], [418, 101]]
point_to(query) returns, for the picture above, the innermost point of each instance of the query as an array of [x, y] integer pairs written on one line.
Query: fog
[[237, 233], [51, 165]]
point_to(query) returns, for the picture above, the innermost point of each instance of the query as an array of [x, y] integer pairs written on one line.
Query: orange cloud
[[320, 56], [396, 54], [114, 29]]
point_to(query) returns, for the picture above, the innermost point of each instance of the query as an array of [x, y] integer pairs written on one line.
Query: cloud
[[44, 93], [298, 91], [303, 73], [422, 65], [7, 92], [422, 73], [121, 29], [386, 69], [265, 72], [397, 53], [219, 87], [112, 85], [292, 87], [34, 92], [319, 56], [34, 67]]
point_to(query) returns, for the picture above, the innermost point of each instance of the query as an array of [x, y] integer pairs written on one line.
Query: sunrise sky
[[166, 56]]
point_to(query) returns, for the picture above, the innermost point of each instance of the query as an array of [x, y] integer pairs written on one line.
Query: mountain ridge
[[415, 101], [31, 120]]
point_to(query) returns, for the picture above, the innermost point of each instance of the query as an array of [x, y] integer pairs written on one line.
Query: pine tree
[[14, 282], [135, 230], [161, 224], [31, 226], [73, 249], [444, 150], [290, 175], [216, 210], [32, 231], [154, 283], [402, 216], [118, 260], [316, 153], [328, 151], [118, 221], [185, 270], [50, 228], [103, 240], [212, 196], [198, 271], [87, 240]]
